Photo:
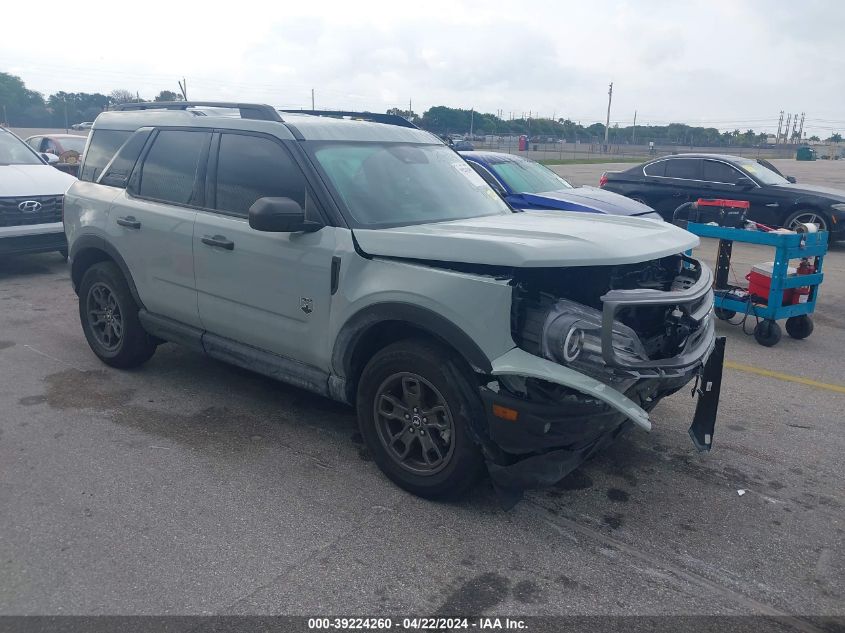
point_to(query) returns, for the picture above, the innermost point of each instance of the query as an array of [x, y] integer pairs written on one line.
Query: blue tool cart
[[784, 288]]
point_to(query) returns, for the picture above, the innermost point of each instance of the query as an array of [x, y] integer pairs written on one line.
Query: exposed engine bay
[[662, 329]]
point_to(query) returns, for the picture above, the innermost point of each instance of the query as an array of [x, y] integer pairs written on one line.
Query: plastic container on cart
[[760, 283]]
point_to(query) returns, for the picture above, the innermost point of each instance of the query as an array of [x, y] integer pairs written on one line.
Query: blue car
[[526, 184]]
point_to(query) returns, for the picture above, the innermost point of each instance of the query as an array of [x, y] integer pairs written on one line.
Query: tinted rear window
[[101, 149], [682, 168], [656, 169], [170, 168]]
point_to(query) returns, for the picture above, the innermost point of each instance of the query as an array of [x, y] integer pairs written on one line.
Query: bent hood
[[531, 239], [33, 180], [587, 199]]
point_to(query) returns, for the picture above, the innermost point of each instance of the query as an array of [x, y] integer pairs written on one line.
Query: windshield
[[526, 176], [395, 184], [75, 143], [763, 174], [15, 152]]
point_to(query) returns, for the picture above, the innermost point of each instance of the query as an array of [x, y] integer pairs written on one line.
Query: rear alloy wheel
[[806, 216], [109, 317], [414, 402]]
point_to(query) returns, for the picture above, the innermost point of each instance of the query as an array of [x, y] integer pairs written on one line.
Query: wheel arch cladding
[[90, 250], [378, 325]]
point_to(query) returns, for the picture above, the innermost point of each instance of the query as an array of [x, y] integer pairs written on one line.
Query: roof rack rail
[[375, 117], [259, 111]]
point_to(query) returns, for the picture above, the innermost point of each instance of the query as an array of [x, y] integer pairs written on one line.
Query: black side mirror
[[792, 179], [280, 215], [745, 183]]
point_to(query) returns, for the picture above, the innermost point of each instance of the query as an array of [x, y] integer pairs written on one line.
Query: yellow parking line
[[787, 377]]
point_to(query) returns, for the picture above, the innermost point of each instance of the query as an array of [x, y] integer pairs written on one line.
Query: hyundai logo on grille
[[30, 206]]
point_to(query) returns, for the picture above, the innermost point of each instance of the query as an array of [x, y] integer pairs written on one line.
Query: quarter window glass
[[118, 171], [170, 168], [249, 168], [682, 168], [715, 171], [656, 169], [104, 143]]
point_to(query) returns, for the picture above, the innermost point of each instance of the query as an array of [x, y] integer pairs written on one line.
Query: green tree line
[[443, 120], [21, 107]]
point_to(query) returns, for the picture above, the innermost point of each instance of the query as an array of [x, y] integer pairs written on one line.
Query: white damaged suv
[[366, 261]]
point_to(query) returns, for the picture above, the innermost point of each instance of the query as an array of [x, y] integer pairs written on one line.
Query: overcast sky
[[718, 63]]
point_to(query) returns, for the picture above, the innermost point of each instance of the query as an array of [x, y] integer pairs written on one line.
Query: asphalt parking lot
[[192, 487]]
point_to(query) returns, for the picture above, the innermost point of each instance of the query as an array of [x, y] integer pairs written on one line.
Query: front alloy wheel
[[414, 423], [807, 217], [416, 402]]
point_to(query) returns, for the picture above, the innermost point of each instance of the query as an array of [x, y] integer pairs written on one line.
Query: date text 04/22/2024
[[417, 624]]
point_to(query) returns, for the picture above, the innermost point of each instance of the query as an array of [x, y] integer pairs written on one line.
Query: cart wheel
[[799, 326], [767, 333], [725, 315]]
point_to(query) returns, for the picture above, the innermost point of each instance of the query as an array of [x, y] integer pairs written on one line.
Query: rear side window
[[117, 172], [656, 169], [682, 168], [101, 149], [169, 170], [252, 167], [714, 171]]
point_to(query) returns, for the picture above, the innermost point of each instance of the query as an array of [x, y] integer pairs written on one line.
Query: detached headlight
[[572, 336]]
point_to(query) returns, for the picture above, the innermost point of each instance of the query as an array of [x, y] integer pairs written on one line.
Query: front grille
[[11, 213]]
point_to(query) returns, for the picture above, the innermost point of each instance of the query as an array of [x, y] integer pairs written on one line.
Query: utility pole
[[471, 121], [801, 128], [65, 100], [312, 99], [183, 88], [786, 129], [780, 124], [607, 125], [794, 126], [634, 132], [5, 120]]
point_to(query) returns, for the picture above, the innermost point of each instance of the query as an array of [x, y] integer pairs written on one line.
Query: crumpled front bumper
[[550, 436]]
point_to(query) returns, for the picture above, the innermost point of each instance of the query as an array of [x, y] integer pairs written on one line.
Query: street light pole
[[607, 125]]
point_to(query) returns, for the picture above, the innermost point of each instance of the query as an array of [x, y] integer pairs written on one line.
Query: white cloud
[[729, 64]]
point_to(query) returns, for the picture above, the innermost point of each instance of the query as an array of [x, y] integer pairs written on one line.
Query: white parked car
[[31, 196], [85, 125]]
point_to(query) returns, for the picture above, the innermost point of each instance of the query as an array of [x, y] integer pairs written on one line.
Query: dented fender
[[520, 363]]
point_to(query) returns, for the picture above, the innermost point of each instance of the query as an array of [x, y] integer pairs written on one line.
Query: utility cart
[[790, 296]]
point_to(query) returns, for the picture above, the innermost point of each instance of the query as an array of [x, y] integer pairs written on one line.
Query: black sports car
[[666, 183]]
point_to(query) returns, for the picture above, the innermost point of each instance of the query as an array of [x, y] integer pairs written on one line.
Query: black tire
[[438, 373], [799, 326], [767, 333], [104, 303], [724, 315]]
